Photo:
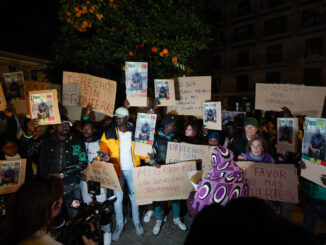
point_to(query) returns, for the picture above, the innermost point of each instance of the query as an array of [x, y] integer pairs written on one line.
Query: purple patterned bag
[[222, 184]]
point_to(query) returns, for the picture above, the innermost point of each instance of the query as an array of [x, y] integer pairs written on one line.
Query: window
[[274, 53], [314, 46], [12, 68], [215, 84], [313, 17], [243, 8], [273, 77], [243, 58], [242, 83], [275, 26], [273, 3], [34, 75], [312, 76], [243, 33]]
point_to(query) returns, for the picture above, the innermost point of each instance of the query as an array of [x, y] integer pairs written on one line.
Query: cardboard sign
[[165, 91], [12, 175], [169, 182], [276, 182], [314, 140], [104, 173], [300, 99], [194, 91], [3, 103], [144, 133], [212, 115], [14, 86], [313, 172], [178, 152], [43, 106], [83, 89], [287, 134], [136, 83]]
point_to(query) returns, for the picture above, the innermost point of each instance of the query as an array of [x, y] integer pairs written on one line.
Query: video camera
[[89, 220]]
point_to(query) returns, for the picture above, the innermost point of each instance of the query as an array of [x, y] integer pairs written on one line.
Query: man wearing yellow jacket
[[118, 143]]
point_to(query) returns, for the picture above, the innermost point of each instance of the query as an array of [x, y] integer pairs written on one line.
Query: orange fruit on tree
[[165, 51], [154, 49], [131, 53], [68, 13]]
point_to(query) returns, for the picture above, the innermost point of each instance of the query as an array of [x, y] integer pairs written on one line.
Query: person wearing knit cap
[[214, 139], [239, 143]]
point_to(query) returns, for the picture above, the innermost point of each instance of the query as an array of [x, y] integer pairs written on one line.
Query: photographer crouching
[[32, 209]]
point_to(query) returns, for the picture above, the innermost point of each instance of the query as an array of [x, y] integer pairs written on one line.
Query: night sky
[[29, 27]]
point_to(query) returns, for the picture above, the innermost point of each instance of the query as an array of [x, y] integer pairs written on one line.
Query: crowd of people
[[58, 154]]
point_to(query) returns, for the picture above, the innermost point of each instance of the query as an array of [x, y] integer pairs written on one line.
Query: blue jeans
[[159, 210], [118, 204]]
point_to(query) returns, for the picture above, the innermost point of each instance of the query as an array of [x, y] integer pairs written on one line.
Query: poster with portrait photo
[[43, 106], [287, 134], [144, 133], [14, 86], [228, 116], [212, 115], [12, 175], [136, 83], [3, 103], [164, 91], [313, 144]]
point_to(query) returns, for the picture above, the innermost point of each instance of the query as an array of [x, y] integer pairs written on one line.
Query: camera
[[89, 220]]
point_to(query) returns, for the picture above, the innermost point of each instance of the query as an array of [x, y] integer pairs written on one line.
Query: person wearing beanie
[[165, 134], [239, 143], [214, 139]]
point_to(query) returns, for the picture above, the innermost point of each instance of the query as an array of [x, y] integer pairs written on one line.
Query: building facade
[[266, 41]]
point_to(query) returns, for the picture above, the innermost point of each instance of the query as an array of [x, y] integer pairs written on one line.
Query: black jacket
[[68, 157]]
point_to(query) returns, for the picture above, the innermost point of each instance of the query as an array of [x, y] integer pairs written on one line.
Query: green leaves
[[129, 30]]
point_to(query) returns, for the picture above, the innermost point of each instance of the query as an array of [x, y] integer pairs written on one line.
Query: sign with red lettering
[[276, 182], [83, 89], [169, 182], [104, 173]]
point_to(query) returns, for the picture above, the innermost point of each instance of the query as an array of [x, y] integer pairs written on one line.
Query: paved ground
[[172, 235]]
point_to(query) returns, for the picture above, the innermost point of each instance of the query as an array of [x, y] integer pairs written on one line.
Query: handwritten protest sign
[[194, 91], [287, 134], [144, 133], [178, 152], [300, 99], [169, 182], [3, 103], [313, 172], [276, 182], [104, 173], [12, 175], [165, 92], [83, 89], [136, 83], [212, 115]]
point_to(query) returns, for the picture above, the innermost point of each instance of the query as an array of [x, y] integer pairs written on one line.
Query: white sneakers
[[157, 227], [177, 222], [107, 238], [148, 215]]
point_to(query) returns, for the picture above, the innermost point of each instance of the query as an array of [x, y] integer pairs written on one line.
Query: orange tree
[[98, 36]]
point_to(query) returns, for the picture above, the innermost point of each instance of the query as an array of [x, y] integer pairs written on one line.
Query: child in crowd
[[9, 149], [256, 151]]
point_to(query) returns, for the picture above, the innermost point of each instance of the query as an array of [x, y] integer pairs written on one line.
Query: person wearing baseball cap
[[118, 143]]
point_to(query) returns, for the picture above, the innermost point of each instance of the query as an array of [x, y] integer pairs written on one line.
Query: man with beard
[[317, 145], [63, 155]]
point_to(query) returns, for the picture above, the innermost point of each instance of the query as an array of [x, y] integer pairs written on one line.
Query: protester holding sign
[[118, 142], [164, 135]]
